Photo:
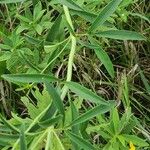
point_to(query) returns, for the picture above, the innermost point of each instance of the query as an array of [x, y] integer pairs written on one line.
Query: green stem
[[72, 52]]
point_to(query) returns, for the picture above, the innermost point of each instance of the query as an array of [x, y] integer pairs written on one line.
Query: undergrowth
[[74, 74]]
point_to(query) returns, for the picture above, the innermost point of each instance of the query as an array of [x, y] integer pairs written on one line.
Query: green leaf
[[49, 122], [2, 68], [115, 118], [49, 113], [141, 16], [85, 93], [6, 47], [43, 99], [105, 14], [85, 15], [32, 40], [145, 81], [80, 141], [9, 125], [69, 3], [37, 10], [56, 143], [35, 2], [32, 110], [23, 144], [135, 140], [75, 128], [54, 30], [121, 35], [8, 138], [103, 57], [10, 1], [28, 62], [37, 141], [22, 18], [4, 55], [100, 109], [121, 139], [27, 78], [56, 98], [39, 29]]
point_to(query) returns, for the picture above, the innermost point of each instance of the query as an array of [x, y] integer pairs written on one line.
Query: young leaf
[[105, 14], [121, 35], [80, 141], [85, 93], [27, 78], [100, 109]]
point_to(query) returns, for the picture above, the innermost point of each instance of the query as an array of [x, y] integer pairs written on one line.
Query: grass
[[74, 75]]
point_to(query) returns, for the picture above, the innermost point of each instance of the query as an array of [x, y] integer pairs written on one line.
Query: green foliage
[[75, 73]]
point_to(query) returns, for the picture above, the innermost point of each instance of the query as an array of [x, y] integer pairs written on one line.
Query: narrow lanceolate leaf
[[54, 31], [50, 122], [56, 98], [75, 129], [121, 35], [69, 3], [10, 1], [85, 93], [23, 144], [105, 14], [27, 78], [80, 141], [115, 119], [145, 81], [104, 58], [100, 109], [135, 140]]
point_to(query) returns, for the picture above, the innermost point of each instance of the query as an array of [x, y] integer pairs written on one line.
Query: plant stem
[[72, 52]]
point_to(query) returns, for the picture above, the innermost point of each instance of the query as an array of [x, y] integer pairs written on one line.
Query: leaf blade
[[121, 35], [56, 98], [80, 141], [85, 93], [27, 78], [105, 14], [100, 109]]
